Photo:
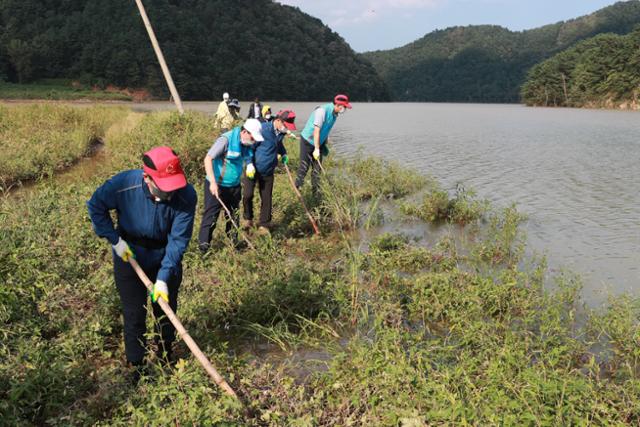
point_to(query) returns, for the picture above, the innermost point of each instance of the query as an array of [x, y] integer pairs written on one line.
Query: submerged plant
[[503, 241], [436, 206]]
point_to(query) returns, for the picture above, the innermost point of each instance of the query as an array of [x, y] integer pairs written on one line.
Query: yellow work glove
[[123, 250], [251, 171], [316, 154], [160, 290]]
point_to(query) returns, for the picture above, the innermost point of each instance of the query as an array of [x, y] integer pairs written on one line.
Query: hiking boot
[[240, 245], [263, 231], [204, 247]]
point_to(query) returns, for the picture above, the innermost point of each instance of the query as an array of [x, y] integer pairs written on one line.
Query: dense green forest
[[246, 47], [603, 71], [488, 63]]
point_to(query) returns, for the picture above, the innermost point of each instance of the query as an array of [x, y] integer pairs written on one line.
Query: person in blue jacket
[[266, 154], [155, 210], [224, 164], [314, 138]]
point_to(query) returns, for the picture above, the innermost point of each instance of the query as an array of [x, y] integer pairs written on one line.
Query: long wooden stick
[[244, 236], [163, 64], [182, 333], [293, 185], [324, 171]]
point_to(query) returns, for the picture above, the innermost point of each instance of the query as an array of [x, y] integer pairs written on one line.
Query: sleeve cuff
[[163, 275], [114, 239]]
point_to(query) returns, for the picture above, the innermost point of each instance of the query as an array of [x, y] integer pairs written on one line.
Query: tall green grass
[[39, 140], [56, 89], [437, 335]]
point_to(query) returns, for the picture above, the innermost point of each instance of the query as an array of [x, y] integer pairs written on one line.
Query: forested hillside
[[487, 63], [246, 47], [603, 71]]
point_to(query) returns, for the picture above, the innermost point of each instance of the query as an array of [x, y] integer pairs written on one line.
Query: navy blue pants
[[230, 196], [306, 160], [133, 297], [265, 187]]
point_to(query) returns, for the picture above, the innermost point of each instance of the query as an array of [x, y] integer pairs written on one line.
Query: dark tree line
[[246, 47], [487, 63], [601, 71]]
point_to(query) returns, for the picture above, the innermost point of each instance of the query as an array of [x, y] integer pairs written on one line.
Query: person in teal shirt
[[314, 138], [224, 165]]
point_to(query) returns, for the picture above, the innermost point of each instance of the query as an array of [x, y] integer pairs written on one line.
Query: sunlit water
[[575, 173]]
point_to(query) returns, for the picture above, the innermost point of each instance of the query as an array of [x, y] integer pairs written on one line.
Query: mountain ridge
[[487, 63], [246, 47]]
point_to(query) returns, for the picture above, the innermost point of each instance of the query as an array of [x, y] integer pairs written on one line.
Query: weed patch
[[417, 335]]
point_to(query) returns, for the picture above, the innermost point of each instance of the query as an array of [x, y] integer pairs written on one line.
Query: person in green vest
[[315, 137], [224, 164]]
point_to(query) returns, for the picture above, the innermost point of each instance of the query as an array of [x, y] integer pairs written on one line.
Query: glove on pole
[[182, 333]]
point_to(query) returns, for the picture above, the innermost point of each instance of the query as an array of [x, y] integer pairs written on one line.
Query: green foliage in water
[[436, 206], [411, 334], [39, 140]]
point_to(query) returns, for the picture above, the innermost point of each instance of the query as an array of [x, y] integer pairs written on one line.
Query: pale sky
[[384, 24]]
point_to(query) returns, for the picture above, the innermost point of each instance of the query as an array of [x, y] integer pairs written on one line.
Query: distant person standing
[[224, 164], [266, 155], [314, 138], [155, 210], [224, 118], [234, 108], [255, 110], [266, 114]]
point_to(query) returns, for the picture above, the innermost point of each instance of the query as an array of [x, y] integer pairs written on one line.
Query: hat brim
[[256, 136], [344, 104], [290, 126], [170, 183]]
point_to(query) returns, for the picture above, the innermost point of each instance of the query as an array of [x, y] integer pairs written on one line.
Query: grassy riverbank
[[58, 90], [461, 332], [39, 140]]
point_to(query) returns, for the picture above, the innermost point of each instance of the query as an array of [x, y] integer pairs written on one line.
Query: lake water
[[575, 173]]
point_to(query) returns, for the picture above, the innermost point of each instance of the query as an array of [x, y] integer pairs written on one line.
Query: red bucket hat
[[342, 100], [288, 117], [163, 166]]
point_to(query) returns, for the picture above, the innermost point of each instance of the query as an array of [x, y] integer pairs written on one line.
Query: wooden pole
[[293, 185], [226, 209], [163, 64], [324, 172], [182, 333]]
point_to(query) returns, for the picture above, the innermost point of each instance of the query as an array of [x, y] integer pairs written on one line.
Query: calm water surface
[[575, 173]]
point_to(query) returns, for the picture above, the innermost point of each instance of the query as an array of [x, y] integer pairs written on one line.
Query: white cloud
[[338, 13]]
